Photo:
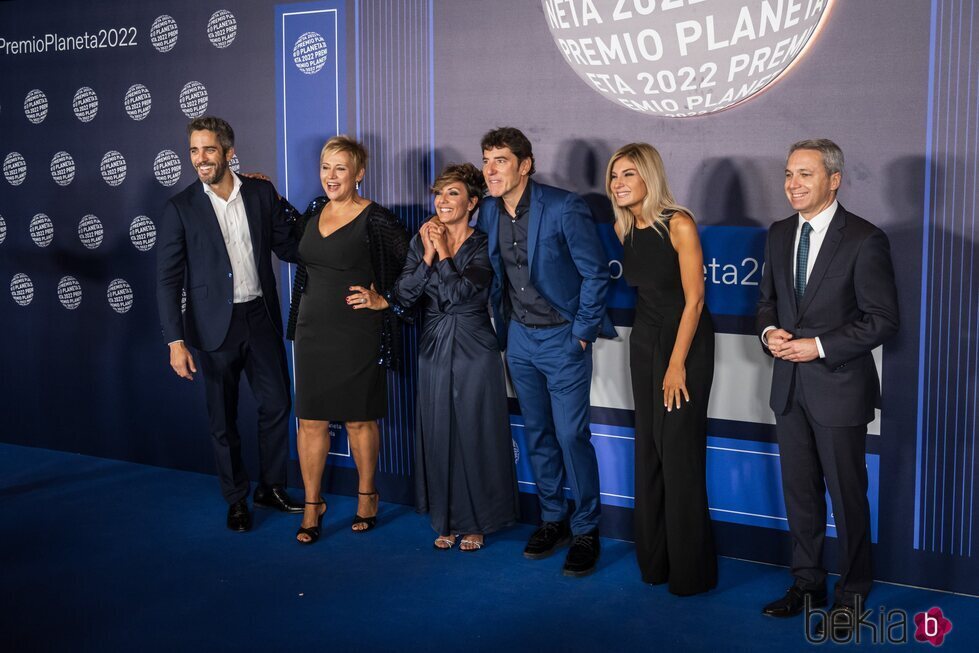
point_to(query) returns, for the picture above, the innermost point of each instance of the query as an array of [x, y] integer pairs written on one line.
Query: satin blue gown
[[464, 469]]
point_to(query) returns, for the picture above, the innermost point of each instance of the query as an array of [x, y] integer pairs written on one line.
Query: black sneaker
[[583, 554], [546, 539]]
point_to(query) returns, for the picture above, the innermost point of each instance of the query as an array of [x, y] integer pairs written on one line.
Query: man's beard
[[220, 169]]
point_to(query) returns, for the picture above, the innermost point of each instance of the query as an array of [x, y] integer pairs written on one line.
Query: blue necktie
[[801, 262]]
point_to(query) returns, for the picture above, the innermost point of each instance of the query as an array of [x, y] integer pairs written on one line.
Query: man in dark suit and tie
[[215, 239], [827, 299], [548, 296]]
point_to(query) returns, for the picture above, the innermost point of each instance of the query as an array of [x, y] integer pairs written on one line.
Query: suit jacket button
[[230, 301]]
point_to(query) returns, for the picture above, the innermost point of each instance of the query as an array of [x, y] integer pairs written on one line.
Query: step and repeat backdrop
[[94, 101]]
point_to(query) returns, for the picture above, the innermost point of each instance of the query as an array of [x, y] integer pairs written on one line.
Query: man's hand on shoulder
[[261, 176], [182, 361]]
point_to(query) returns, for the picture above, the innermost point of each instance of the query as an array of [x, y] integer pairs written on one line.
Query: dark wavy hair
[[220, 126], [465, 173], [512, 138]]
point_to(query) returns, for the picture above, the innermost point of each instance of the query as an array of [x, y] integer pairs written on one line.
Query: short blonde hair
[[357, 152]]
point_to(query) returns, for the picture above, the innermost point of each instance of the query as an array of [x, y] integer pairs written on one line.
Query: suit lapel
[[491, 221], [209, 219], [253, 213], [533, 227], [834, 234], [788, 258]]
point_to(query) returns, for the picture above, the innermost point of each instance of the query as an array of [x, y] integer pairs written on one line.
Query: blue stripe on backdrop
[[744, 478], [734, 259], [948, 352]]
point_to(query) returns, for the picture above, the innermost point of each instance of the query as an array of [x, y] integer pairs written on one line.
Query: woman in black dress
[[671, 355], [345, 333], [464, 470]]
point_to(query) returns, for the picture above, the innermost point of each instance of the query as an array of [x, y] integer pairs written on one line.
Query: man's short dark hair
[[512, 138], [220, 126]]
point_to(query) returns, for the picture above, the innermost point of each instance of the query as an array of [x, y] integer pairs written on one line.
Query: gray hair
[[830, 151]]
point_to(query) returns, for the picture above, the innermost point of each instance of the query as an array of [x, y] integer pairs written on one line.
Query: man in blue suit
[[215, 240], [548, 296]]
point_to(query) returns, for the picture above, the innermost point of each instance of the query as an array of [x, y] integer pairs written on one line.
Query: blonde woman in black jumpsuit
[[672, 364]]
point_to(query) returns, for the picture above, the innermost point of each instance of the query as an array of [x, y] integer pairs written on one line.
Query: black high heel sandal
[[312, 532], [370, 521]]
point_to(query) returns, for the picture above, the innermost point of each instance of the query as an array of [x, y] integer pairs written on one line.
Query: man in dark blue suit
[[827, 299], [548, 296], [215, 239]]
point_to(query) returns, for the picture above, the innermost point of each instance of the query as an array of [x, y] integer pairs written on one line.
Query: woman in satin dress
[[464, 469]]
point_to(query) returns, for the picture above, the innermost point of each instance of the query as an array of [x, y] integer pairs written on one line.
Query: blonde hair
[[658, 201], [347, 145]]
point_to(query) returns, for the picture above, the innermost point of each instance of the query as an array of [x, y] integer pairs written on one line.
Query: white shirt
[[820, 224], [238, 240]]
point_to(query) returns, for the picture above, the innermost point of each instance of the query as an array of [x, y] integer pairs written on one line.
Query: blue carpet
[[101, 555]]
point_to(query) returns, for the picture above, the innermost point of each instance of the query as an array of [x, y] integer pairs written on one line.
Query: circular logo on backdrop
[[41, 230], [85, 104], [113, 168], [163, 33], [516, 451], [3, 230], [14, 168], [120, 296], [138, 102], [22, 289], [309, 53], [69, 293], [142, 232], [234, 163], [671, 60], [222, 28], [193, 99], [166, 167], [62, 168], [90, 231], [36, 106]]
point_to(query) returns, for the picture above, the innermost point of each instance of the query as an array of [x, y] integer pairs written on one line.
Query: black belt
[[542, 326]]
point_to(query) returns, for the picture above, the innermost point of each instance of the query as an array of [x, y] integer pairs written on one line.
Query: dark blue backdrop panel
[[311, 99]]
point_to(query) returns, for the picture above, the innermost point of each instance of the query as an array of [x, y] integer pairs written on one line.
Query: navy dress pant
[[252, 346], [551, 375]]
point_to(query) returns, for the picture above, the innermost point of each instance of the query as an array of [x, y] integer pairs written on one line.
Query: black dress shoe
[[546, 539], [275, 497], [583, 554], [794, 602], [239, 519], [843, 621]]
